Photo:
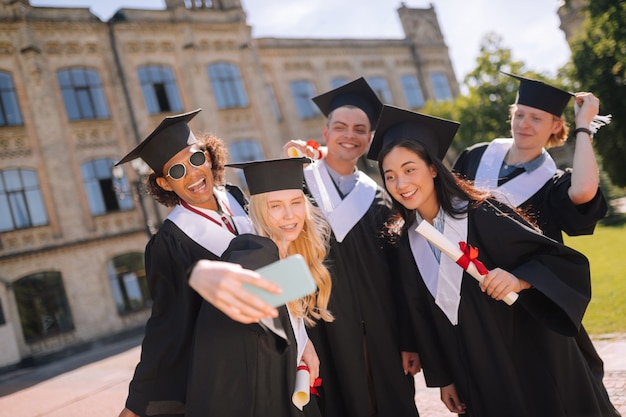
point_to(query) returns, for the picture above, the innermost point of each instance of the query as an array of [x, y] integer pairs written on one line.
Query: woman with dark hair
[[487, 357]]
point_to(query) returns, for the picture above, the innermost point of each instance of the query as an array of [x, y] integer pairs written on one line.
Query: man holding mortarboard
[[519, 170]]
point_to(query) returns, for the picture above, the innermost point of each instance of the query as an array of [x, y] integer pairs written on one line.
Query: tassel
[[599, 121]]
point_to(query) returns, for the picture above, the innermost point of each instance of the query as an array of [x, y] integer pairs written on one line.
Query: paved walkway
[[95, 383]]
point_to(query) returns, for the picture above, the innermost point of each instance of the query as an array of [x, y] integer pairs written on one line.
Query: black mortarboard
[[357, 93], [539, 95], [273, 174], [170, 137], [394, 124]]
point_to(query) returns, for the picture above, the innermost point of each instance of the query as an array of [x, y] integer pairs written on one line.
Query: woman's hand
[[498, 283], [451, 399], [411, 363], [312, 361], [220, 283]]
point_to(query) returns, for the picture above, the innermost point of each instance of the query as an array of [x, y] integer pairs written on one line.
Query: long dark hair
[[448, 187], [216, 150]]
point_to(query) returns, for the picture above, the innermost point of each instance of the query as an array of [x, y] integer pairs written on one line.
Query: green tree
[[599, 58], [483, 109]]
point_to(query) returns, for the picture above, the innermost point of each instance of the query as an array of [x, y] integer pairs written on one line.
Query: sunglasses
[[178, 171]]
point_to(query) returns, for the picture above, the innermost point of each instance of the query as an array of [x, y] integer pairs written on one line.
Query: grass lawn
[[606, 252]]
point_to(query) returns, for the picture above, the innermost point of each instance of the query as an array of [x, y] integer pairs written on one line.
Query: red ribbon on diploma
[[470, 254], [316, 384], [312, 143]]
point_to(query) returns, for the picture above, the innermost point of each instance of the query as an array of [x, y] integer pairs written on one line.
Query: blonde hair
[[313, 244], [555, 139]]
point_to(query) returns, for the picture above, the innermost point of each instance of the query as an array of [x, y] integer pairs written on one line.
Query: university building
[[77, 93]]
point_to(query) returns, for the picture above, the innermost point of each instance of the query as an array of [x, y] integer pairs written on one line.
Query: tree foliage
[[599, 59], [483, 108]]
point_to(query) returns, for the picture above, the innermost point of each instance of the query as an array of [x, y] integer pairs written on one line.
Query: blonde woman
[[226, 356]]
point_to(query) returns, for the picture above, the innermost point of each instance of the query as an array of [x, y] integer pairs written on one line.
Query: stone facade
[[80, 247]]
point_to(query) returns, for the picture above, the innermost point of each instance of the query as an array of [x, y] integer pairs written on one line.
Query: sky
[[530, 28]]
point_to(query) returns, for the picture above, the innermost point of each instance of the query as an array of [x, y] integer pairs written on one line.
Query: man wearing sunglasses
[[188, 175]]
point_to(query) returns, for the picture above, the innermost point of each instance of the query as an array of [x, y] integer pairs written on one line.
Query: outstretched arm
[[220, 283]]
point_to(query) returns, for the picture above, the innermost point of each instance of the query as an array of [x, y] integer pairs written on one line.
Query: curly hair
[[555, 139], [313, 244], [217, 153]]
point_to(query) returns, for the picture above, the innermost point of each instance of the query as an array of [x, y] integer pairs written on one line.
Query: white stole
[[518, 189], [207, 234], [442, 279], [215, 238], [341, 214]]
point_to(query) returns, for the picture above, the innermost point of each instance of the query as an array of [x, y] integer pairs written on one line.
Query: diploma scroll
[[302, 392], [455, 253]]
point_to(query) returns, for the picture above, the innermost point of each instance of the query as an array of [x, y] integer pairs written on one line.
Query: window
[[380, 86], [21, 203], [441, 86], [303, 92], [412, 91], [106, 192], [227, 85], [159, 89], [10, 114], [42, 305], [127, 277], [338, 82], [245, 150], [82, 94]]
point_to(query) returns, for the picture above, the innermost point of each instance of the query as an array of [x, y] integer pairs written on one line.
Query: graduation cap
[[357, 93], [273, 174], [540, 95], [170, 137], [395, 124]]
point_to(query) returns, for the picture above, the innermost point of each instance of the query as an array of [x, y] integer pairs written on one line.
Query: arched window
[[227, 85], [106, 192], [83, 94], [303, 91], [129, 286], [10, 114], [159, 89], [42, 305], [21, 203]]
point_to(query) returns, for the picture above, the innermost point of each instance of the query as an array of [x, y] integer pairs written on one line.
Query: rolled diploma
[[302, 391], [454, 252], [294, 152]]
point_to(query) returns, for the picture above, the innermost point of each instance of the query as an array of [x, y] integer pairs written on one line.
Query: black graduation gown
[[518, 360], [554, 213], [159, 384], [550, 207], [241, 370], [364, 336]]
